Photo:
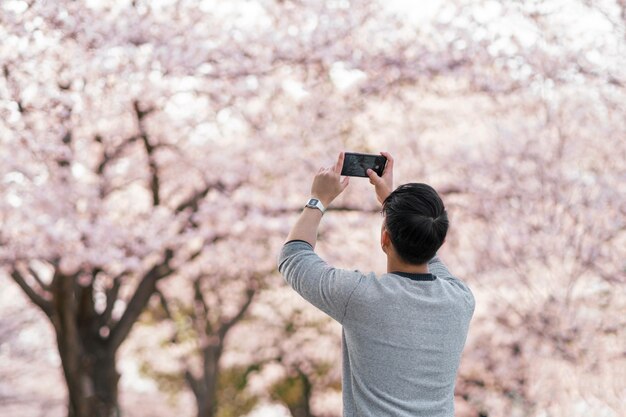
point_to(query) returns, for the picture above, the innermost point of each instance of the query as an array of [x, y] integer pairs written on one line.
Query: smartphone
[[357, 164]]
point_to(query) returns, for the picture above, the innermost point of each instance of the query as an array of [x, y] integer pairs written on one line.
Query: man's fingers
[[339, 163], [345, 182], [389, 165], [374, 178]]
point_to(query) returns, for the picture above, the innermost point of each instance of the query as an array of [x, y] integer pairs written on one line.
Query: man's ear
[[385, 240]]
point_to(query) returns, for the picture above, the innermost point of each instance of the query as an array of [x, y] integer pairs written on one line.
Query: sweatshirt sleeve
[[440, 270], [324, 286]]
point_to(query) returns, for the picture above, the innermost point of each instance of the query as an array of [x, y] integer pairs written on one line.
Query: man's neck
[[396, 265]]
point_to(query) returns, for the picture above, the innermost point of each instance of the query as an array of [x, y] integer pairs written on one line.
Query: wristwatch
[[315, 203]]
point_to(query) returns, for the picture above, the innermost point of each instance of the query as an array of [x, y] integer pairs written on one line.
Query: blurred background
[[153, 155]]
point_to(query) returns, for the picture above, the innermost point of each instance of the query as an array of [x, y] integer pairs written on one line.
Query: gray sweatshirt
[[402, 334]]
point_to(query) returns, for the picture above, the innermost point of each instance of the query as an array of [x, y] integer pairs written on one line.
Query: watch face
[[313, 201]]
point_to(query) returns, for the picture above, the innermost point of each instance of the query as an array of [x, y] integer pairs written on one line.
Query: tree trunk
[[93, 387], [205, 387], [88, 359], [211, 340], [302, 408]]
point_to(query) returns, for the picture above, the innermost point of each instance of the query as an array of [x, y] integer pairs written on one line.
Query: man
[[404, 331]]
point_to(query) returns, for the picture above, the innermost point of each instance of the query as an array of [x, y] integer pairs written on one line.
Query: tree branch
[[203, 314], [164, 304], [199, 252], [227, 325], [193, 384], [37, 278], [13, 89], [112, 295], [36, 298], [139, 300], [155, 181], [109, 157], [193, 201], [444, 191], [168, 313]]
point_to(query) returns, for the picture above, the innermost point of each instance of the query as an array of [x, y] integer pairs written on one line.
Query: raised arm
[[383, 185], [327, 185], [324, 286]]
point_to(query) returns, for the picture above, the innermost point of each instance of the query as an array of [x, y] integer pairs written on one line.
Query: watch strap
[[315, 203]]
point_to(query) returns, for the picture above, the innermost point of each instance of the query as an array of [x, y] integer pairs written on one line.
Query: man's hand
[[327, 184], [383, 185]]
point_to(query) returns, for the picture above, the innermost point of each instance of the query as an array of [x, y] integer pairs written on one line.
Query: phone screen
[[357, 164]]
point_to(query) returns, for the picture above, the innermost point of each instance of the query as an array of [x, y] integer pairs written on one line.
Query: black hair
[[416, 221]]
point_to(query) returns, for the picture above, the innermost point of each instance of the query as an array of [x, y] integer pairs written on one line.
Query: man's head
[[415, 221]]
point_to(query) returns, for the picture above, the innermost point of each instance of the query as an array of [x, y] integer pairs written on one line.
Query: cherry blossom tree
[[111, 185], [140, 139], [298, 358], [551, 221], [544, 206], [201, 319]]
